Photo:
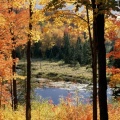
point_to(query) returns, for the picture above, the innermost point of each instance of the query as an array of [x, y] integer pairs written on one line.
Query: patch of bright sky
[[68, 7], [71, 8]]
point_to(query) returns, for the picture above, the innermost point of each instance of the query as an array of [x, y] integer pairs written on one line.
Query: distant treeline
[[79, 52]]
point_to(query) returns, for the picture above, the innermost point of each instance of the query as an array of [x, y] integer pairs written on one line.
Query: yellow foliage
[[35, 35], [38, 16], [19, 76], [110, 29], [2, 20], [115, 79], [48, 111], [9, 114]]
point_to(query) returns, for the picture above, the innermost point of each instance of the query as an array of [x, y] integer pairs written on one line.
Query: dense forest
[[76, 36], [79, 52]]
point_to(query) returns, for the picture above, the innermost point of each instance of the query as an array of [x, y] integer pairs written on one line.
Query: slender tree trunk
[[102, 67], [14, 81], [94, 63], [95, 66], [11, 91], [28, 89], [28, 103]]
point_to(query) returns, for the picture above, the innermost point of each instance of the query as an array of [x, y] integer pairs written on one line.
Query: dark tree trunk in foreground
[[14, 81], [94, 66], [28, 84], [102, 67], [94, 61]]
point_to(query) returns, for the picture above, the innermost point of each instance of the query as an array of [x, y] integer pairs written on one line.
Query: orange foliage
[[113, 112], [14, 24], [114, 34]]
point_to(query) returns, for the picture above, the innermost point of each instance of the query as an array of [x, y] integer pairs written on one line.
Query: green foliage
[[70, 53], [36, 52], [109, 46], [114, 62], [86, 53], [67, 49], [78, 50]]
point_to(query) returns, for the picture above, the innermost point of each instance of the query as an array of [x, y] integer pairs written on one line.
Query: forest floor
[[58, 71]]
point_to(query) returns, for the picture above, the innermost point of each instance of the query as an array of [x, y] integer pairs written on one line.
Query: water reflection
[[77, 92]]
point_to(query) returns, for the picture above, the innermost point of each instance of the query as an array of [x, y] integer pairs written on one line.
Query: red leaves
[[113, 70]]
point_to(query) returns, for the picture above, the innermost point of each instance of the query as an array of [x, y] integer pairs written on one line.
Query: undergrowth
[[46, 110]]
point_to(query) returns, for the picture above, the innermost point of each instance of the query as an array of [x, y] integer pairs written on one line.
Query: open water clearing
[[58, 91]]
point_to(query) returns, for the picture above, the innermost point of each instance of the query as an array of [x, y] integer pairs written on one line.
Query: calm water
[[84, 94]]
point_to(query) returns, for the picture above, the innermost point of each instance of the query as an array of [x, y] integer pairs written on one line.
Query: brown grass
[[60, 71]]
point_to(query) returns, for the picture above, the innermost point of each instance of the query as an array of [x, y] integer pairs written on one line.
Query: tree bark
[[102, 67], [94, 63], [14, 81], [28, 102]]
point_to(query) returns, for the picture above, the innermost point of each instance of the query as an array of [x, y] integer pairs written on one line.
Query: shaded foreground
[[45, 110]]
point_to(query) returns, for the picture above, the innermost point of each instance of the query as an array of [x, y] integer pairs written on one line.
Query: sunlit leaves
[[114, 80], [16, 77], [112, 33], [38, 16], [110, 29], [35, 35], [2, 20]]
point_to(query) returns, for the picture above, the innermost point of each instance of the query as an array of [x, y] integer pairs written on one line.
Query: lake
[[56, 91]]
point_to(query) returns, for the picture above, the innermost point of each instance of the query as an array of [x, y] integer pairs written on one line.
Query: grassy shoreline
[[58, 71]]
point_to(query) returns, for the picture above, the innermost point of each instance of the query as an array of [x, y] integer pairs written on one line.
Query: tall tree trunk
[[102, 67], [28, 84], [94, 66], [28, 103], [94, 63]]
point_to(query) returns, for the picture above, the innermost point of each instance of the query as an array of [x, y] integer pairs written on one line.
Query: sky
[[71, 8]]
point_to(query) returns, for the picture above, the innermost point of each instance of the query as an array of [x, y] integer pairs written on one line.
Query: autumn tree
[[14, 86], [15, 33], [5, 60], [114, 55]]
